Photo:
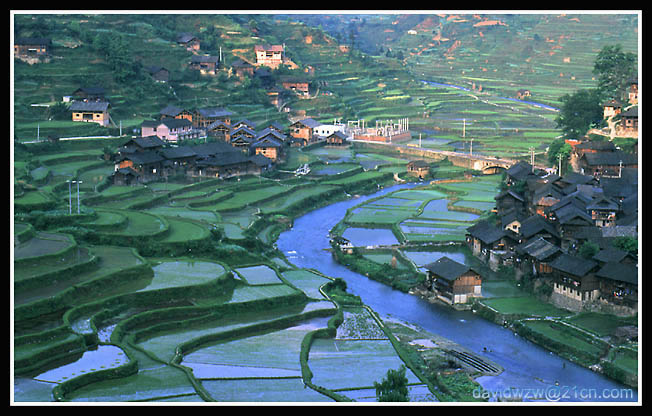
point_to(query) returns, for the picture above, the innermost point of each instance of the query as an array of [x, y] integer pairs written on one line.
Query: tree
[[614, 69], [556, 148], [588, 250], [579, 112], [393, 388]]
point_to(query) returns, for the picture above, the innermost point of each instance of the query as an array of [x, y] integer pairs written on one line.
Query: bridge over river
[[485, 164]]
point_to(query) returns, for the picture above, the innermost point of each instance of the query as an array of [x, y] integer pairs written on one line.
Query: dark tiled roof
[[308, 122], [610, 254], [178, 152], [32, 41], [147, 142], [90, 106], [214, 112], [447, 269], [536, 224], [610, 158], [171, 111], [574, 265], [486, 232], [620, 272], [539, 248], [144, 158]]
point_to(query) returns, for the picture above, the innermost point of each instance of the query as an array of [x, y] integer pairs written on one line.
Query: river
[[527, 366]]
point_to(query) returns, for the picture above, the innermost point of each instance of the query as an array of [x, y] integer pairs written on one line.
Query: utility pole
[[78, 182], [120, 128], [471, 150], [532, 158], [464, 128], [38, 132], [559, 169], [69, 199]]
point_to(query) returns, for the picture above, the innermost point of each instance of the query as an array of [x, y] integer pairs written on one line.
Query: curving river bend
[[527, 366]]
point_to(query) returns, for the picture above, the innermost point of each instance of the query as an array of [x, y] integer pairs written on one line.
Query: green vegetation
[[132, 294]]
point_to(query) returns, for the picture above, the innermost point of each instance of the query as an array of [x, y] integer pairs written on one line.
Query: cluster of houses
[[236, 148], [624, 114], [544, 220]]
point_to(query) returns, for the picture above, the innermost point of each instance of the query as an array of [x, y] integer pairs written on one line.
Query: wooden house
[[244, 122], [453, 282], [220, 130], [172, 111], [508, 200], [148, 165], [629, 123], [536, 226], [269, 55], [268, 146], [574, 281], [125, 176], [203, 117], [336, 139], [519, 171], [227, 164], [603, 211], [141, 144], [179, 157], [32, 49], [188, 41], [205, 64], [419, 168], [298, 86], [611, 108], [170, 130], [484, 237], [304, 129], [243, 131], [536, 256], [158, 73], [607, 164], [619, 284], [242, 68], [91, 112], [89, 94]]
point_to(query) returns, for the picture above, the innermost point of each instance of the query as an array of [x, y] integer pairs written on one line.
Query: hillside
[[379, 78]]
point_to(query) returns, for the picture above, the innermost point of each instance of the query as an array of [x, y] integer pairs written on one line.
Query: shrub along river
[[529, 370]]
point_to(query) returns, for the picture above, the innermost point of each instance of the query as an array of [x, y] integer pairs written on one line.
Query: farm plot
[[164, 345], [184, 273], [140, 224], [263, 367], [258, 275], [306, 281], [367, 361], [294, 198], [247, 198], [181, 230]]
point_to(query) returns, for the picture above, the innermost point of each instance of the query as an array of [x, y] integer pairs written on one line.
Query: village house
[[220, 130], [336, 139], [32, 50], [574, 281], [603, 211], [242, 137], [510, 200], [418, 168], [629, 122], [269, 55], [172, 111], [205, 64], [244, 122], [188, 41], [611, 108], [141, 144], [242, 68], [536, 255], [304, 129], [89, 94], [170, 130], [268, 145], [607, 163], [158, 73], [91, 112], [145, 166], [203, 117], [298, 86], [453, 282]]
